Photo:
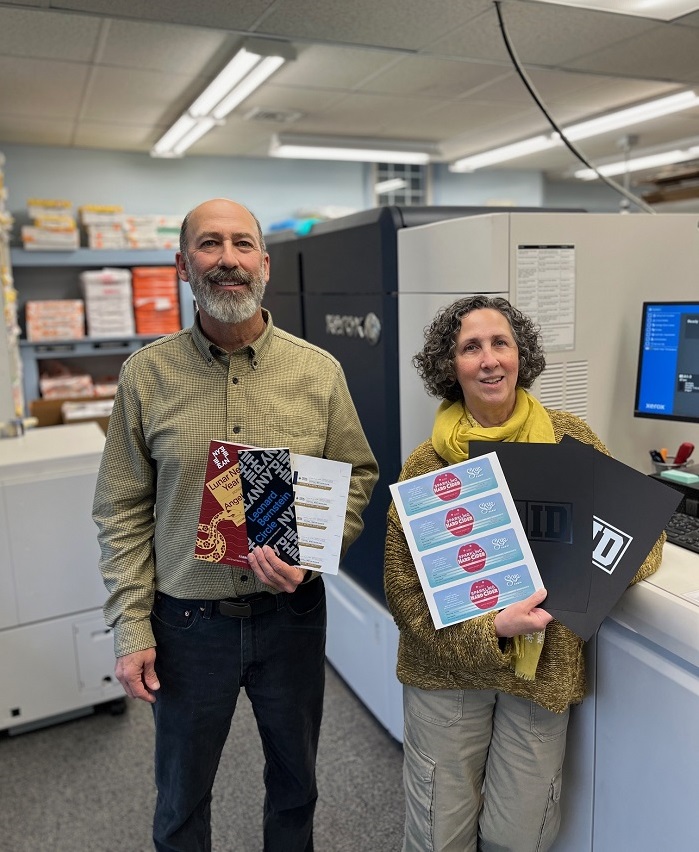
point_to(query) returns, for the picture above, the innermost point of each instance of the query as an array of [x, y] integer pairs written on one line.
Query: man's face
[[224, 262]]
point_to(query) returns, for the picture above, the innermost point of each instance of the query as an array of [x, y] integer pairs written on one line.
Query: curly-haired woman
[[486, 701]]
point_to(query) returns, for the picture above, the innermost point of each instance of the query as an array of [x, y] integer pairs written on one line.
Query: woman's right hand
[[522, 617]]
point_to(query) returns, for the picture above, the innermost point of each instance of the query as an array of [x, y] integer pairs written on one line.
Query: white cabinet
[[56, 275], [56, 652]]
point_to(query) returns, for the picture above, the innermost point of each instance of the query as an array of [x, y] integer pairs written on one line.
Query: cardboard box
[[49, 412]]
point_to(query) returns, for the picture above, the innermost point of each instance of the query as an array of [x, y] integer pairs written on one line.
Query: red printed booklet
[[222, 534]]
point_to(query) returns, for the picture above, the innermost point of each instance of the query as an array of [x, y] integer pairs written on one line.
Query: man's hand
[[273, 571], [136, 673], [523, 617]]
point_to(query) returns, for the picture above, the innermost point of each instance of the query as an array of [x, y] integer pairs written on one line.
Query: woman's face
[[486, 362]]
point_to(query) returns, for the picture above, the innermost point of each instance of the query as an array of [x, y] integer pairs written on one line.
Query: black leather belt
[[248, 606]]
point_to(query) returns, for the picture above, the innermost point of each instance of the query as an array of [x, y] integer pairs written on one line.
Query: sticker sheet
[[466, 540]]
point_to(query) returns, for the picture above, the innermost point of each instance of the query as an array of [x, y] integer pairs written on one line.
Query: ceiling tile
[[447, 122], [114, 135], [34, 130], [292, 98], [404, 24], [41, 87], [226, 14], [166, 47], [540, 34], [48, 35], [135, 97], [667, 53], [334, 67], [429, 77], [361, 114]]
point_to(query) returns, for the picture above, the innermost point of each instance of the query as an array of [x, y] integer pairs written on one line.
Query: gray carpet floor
[[87, 785]]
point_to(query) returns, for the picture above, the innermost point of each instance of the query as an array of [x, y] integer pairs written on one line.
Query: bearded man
[[232, 376]]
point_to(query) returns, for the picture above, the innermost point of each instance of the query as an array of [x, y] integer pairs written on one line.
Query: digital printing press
[[583, 277]]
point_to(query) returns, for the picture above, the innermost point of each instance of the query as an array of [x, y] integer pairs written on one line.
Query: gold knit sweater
[[467, 655]]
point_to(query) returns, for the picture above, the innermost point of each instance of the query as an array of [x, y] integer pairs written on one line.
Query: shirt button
[[255, 364], [236, 429], [243, 578], [235, 380]]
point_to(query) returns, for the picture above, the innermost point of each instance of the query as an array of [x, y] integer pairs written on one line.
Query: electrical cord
[[535, 95]]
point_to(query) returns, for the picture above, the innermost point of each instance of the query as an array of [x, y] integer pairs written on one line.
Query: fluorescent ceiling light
[[250, 67], [200, 128], [243, 62], [356, 149], [651, 161], [165, 145], [633, 115], [583, 130], [507, 152], [660, 10], [390, 185], [253, 81]]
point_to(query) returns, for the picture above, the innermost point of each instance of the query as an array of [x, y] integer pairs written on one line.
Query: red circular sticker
[[446, 486], [484, 594], [471, 557], [458, 521]]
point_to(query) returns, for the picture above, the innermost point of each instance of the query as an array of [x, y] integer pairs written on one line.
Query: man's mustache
[[221, 275]]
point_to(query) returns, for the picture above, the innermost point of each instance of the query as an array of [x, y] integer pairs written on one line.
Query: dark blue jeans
[[202, 661]]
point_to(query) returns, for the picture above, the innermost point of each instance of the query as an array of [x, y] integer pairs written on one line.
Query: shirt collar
[[256, 350]]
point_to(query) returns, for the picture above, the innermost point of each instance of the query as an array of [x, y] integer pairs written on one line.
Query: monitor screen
[[667, 384]]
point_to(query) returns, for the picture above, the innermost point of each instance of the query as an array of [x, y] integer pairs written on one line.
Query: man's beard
[[226, 305]]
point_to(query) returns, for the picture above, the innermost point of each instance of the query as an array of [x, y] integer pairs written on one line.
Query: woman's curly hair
[[435, 362]]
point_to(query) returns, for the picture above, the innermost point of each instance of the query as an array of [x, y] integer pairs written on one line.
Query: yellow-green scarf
[[454, 427]]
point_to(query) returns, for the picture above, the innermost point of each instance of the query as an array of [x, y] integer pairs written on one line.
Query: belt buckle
[[235, 609]]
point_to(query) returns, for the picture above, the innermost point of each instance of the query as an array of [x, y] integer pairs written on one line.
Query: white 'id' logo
[[609, 545]]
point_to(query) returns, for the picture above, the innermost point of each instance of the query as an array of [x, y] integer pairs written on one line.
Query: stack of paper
[[108, 302], [53, 226], [156, 299], [55, 319]]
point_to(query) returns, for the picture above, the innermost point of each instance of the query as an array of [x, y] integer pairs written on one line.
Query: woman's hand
[[522, 617]]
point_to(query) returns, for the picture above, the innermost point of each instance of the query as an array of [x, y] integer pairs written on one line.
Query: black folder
[[622, 511], [552, 487], [630, 512]]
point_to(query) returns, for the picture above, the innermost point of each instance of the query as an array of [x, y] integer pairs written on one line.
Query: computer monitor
[[667, 382]]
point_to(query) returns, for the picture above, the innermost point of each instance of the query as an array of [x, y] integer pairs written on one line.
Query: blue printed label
[[455, 483], [486, 553], [493, 592], [471, 518]]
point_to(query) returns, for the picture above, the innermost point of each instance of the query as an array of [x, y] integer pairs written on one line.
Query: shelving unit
[[56, 275], [11, 401]]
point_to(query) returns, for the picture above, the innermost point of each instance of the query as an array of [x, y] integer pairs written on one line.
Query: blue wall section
[[273, 189], [498, 188]]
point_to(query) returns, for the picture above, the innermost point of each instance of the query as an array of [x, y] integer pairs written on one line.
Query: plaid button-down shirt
[[174, 396]]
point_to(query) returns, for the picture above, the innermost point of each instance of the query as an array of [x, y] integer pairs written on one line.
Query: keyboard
[[683, 530]]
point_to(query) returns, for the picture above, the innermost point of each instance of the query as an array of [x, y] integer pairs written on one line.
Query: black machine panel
[[283, 293], [345, 275]]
